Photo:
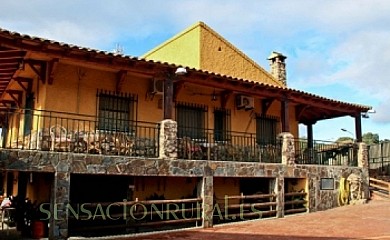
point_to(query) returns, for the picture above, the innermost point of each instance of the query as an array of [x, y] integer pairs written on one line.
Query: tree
[[370, 138], [344, 140]]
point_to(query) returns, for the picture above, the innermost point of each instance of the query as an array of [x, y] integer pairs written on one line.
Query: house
[[98, 143]]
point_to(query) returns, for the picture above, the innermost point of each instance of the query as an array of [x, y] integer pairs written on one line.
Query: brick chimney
[[278, 66]]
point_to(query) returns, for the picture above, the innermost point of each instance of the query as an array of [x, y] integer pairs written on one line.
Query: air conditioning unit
[[245, 102], [158, 86]]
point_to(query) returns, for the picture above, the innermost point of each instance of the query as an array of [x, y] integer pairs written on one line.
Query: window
[[116, 112], [221, 124], [266, 130], [28, 114], [191, 120]]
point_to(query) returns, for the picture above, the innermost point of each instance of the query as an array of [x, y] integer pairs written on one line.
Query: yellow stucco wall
[[39, 187], [218, 55], [224, 186], [201, 47], [182, 49], [166, 186]]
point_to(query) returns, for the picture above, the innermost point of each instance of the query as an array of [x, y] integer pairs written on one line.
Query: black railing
[[67, 132], [238, 146], [325, 153]]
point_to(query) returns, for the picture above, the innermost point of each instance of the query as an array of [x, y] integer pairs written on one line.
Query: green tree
[[370, 138], [344, 140]]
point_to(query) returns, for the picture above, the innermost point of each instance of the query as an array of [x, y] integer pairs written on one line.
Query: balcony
[[325, 153], [232, 146], [66, 132], [77, 133]]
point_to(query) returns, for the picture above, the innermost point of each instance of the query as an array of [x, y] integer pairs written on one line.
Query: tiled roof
[[69, 47]]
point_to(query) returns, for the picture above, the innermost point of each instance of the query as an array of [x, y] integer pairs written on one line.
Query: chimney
[[278, 66]]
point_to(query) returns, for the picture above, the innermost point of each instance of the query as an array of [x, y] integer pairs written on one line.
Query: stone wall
[[63, 164]]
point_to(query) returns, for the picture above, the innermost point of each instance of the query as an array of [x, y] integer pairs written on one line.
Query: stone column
[[208, 198], [288, 148], [59, 201], [279, 191], [168, 139], [363, 163]]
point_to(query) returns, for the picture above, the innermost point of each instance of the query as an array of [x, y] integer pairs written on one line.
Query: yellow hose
[[343, 192]]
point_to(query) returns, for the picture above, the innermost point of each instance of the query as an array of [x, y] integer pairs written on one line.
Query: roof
[[320, 107]]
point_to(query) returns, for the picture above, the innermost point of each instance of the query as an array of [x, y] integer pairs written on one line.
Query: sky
[[338, 49]]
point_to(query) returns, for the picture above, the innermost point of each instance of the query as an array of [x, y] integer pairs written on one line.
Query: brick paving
[[368, 221]]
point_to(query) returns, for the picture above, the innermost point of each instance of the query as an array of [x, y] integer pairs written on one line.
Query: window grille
[[221, 124], [191, 120], [116, 111], [266, 129], [29, 106]]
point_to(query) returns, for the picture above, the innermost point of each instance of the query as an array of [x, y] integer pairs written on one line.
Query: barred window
[[28, 114], [191, 120], [116, 112], [266, 129], [221, 124]]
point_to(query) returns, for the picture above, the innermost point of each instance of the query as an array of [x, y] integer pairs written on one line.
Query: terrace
[[53, 131]]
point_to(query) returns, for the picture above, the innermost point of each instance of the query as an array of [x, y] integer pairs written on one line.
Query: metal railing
[[325, 153], [236, 146], [67, 132], [379, 158]]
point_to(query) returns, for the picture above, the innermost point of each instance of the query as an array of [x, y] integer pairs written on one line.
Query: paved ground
[[369, 221]]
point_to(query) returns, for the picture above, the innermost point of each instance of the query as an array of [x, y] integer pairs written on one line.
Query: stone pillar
[[279, 191], [59, 201], [313, 192], [168, 139], [363, 163], [288, 148], [208, 198]]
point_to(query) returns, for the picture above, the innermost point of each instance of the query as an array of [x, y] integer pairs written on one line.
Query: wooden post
[[285, 115], [358, 127], [168, 97]]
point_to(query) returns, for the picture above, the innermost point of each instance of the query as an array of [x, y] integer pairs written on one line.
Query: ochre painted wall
[[39, 187], [224, 186], [169, 187], [183, 49], [217, 55]]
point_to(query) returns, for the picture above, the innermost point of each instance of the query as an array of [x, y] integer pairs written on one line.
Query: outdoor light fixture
[[345, 130], [214, 96], [180, 71]]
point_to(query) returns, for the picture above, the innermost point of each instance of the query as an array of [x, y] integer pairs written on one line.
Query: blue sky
[[336, 48]]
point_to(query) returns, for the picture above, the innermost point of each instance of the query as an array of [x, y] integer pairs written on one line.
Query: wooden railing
[[295, 202], [136, 216], [244, 207], [380, 187]]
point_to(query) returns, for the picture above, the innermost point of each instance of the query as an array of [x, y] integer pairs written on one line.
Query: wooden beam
[[7, 70], [12, 54], [299, 110], [16, 95], [120, 79], [39, 67], [265, 105], [225, 96], [285, 115], [51, 68], [178, 86], [168, 97], [358, 127], [22, 80]]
